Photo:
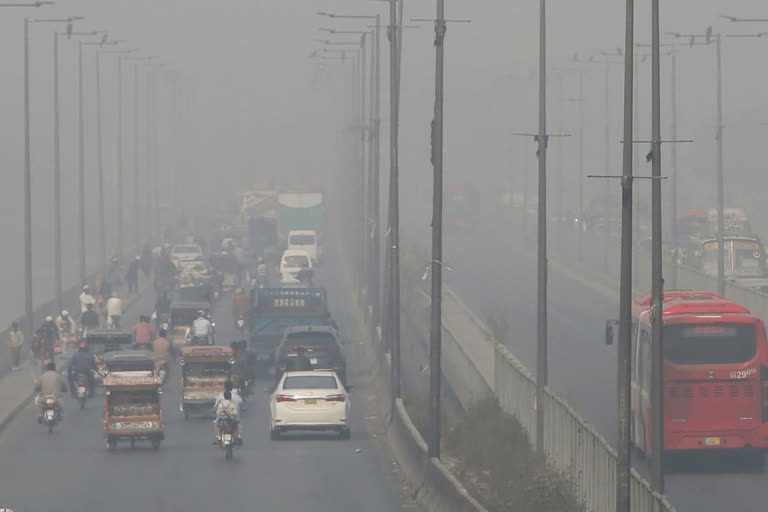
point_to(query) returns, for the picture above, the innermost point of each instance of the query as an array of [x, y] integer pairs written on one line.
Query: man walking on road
[[15, 342]]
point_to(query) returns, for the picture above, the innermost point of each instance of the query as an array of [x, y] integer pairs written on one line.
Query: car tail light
[[335, 398], [284, 398], [764, 389]]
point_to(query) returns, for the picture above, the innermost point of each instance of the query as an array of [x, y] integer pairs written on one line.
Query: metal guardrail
[[572, 445]]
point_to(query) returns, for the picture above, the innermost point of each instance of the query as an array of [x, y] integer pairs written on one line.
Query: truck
[[258, 211], [303, 211], [272, 310]]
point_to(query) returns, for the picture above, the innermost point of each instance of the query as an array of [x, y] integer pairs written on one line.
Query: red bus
[[715, 374]]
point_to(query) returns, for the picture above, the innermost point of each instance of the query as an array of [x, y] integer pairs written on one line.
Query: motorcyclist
[[162, 349], [90, 318], [50, 333], [86, 298], [84, 363], [65, 325], [201, 329], [143, 332], [226, 407], [50, 383], [239, 304], [114, 311], [240, 369]]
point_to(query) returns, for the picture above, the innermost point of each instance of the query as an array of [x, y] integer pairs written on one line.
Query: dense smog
[[347, 255]]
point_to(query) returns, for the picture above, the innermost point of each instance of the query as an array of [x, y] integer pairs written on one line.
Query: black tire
[[82, 403], [274, 434], [156, 444], [133, 442], [50, 427], [228, 452], [345, 434], [186, 415]]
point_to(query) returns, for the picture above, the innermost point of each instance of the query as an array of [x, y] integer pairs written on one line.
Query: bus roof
[[643, 302], [703, 307]]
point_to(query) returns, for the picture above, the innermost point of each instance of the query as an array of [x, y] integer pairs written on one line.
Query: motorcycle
[[228, 437], [50, 412], [81, 389]]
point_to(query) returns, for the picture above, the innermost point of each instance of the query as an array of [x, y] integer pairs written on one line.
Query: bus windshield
[[710, 343]]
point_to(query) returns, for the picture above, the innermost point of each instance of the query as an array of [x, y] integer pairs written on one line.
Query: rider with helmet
[[84, 363]]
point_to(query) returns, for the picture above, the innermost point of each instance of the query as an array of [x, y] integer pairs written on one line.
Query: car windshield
[[310, 382], [323, 340], [709, 343], [186, 249], [302, 240], [295, 261]]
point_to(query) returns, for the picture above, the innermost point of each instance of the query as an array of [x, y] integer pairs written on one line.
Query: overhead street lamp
[[99, 153], [734, 19], [708, 38], [57, 168], [121, 54], [29, 305]]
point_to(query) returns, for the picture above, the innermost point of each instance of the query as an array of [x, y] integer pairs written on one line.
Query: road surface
[[72, 471]]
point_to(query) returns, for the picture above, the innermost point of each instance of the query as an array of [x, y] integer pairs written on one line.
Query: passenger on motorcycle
[[228, 408], [84, 363], [86, 298], [143, 332], [65, 325], [50, 334], [114, 311], [162, 349], [202, 331], [50, 384]]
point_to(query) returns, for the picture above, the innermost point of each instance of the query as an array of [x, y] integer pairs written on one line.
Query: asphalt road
[[72, 470], [581, 367]]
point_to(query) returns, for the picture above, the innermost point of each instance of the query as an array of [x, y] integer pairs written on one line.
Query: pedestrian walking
[[15, 343]]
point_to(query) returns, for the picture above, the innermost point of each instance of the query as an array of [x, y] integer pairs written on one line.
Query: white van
[[306, 240], [293, 262]]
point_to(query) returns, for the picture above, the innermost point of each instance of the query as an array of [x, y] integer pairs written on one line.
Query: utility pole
[[100, 166], [624, 465], [673, 181], [720, 198], [120, 208], [435, 337], [28, 308], [393, 299], [375, 245], [541, 305], [363, 103], [56, 177], [81, 162], [580, 225], [136, 205], [657, 278]]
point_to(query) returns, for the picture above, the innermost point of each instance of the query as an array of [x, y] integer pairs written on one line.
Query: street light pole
[[393, 299], [720, 194], [56, 177], [435, 337]]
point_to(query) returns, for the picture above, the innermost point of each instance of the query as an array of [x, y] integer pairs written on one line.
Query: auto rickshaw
[[133, 409], [183, 315], [204, 370], [103, 341], [228, 269]]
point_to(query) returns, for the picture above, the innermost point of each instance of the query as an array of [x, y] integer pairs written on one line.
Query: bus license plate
[[712, 441], [311, 401]]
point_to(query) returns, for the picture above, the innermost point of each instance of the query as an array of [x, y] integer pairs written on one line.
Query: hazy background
[[254, 108]]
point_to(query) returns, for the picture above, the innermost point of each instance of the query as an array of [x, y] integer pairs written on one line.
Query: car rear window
[[302, 240], [310, 382], [295, 261], [710, 343], [324, 340], [186, 249]]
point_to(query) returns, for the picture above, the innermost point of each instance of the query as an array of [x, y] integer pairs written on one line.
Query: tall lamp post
[[28, 304], [100, 155], [28, 179]]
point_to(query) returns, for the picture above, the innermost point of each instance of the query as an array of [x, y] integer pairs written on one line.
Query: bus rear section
[[714, 382]]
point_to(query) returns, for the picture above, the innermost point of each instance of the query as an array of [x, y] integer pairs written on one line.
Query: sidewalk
[[16, 390]]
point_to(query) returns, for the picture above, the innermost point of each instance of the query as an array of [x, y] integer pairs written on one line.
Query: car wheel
[[345, 434], [274, 434]]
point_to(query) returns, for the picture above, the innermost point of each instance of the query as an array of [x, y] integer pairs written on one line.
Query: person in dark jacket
[[132, 275], [90, 318], [82, 362]]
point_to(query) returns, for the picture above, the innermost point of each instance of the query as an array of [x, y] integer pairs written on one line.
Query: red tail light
[[284, 398], [335, 398]]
